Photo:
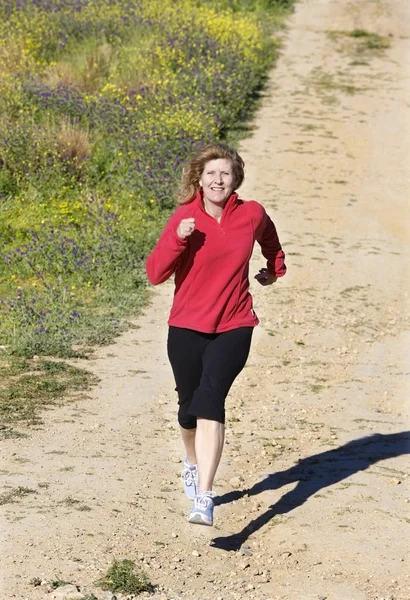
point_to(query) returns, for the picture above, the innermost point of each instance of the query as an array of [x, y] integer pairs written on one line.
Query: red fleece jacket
[[212, 265]]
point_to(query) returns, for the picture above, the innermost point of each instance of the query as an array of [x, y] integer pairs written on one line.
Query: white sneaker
[[202, 512], [189, 478]]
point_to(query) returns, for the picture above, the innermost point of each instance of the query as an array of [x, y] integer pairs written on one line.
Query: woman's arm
[[162, 261], [267, 237]]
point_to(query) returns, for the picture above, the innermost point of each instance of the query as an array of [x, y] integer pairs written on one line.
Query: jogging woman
[[207, 245]]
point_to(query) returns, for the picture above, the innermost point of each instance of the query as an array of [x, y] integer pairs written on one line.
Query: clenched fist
[[185, 228], [265, 278]]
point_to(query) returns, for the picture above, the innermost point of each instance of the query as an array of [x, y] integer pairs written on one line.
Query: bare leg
[[188, 437], [209, 442]]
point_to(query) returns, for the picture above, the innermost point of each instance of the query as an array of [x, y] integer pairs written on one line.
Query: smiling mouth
[[217, 189]]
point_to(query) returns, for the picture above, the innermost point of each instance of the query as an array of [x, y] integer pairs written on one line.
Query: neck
[[214, 210]]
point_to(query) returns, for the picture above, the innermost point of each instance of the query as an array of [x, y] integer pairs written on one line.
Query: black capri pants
[[205, 366]]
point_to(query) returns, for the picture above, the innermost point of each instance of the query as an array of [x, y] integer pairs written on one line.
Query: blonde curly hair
[[193, 170]]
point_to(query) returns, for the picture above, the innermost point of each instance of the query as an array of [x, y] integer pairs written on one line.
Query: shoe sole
[[198, 519]]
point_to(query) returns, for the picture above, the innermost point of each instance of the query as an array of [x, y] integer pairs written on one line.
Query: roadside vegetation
[[101, 103]]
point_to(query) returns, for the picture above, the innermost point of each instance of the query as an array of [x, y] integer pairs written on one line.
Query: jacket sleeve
[[162, 261], [267, 237]]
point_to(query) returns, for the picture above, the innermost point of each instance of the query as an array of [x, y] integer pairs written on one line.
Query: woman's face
[[217, 180]]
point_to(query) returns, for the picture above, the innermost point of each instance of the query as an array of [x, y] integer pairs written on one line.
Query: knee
[[185, 420]]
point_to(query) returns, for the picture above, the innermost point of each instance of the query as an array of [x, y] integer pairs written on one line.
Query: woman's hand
[[186, 228], [264, 277]]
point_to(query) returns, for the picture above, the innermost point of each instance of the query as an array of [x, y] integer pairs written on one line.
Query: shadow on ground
[[312, 474]]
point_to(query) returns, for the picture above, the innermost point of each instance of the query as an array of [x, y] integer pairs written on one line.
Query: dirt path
[[318, 431]]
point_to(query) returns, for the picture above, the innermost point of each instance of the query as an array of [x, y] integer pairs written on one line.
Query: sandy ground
[[313, 486]]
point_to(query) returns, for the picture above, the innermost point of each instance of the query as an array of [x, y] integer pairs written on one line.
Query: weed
[[353, 289], [56, 583], [7, 433], [70, 501], [361, 43], [325, 83], [315, 387], [372, 41], [74, 144], [32, 385], [15, 493], [122, 576]]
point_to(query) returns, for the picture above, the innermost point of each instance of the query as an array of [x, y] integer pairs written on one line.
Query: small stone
[[67, 592], [236, 482], [196, 553], [244, 565]]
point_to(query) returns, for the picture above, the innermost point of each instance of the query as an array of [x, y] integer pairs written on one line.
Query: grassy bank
[[101, 103]]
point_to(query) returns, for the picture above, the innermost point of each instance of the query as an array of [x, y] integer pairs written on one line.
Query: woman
[[207, 244]]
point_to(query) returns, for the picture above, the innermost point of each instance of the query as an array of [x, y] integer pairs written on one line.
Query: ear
[[200, 183]]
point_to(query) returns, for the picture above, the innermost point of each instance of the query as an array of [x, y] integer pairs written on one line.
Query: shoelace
[[187, 476], [203, 499]]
